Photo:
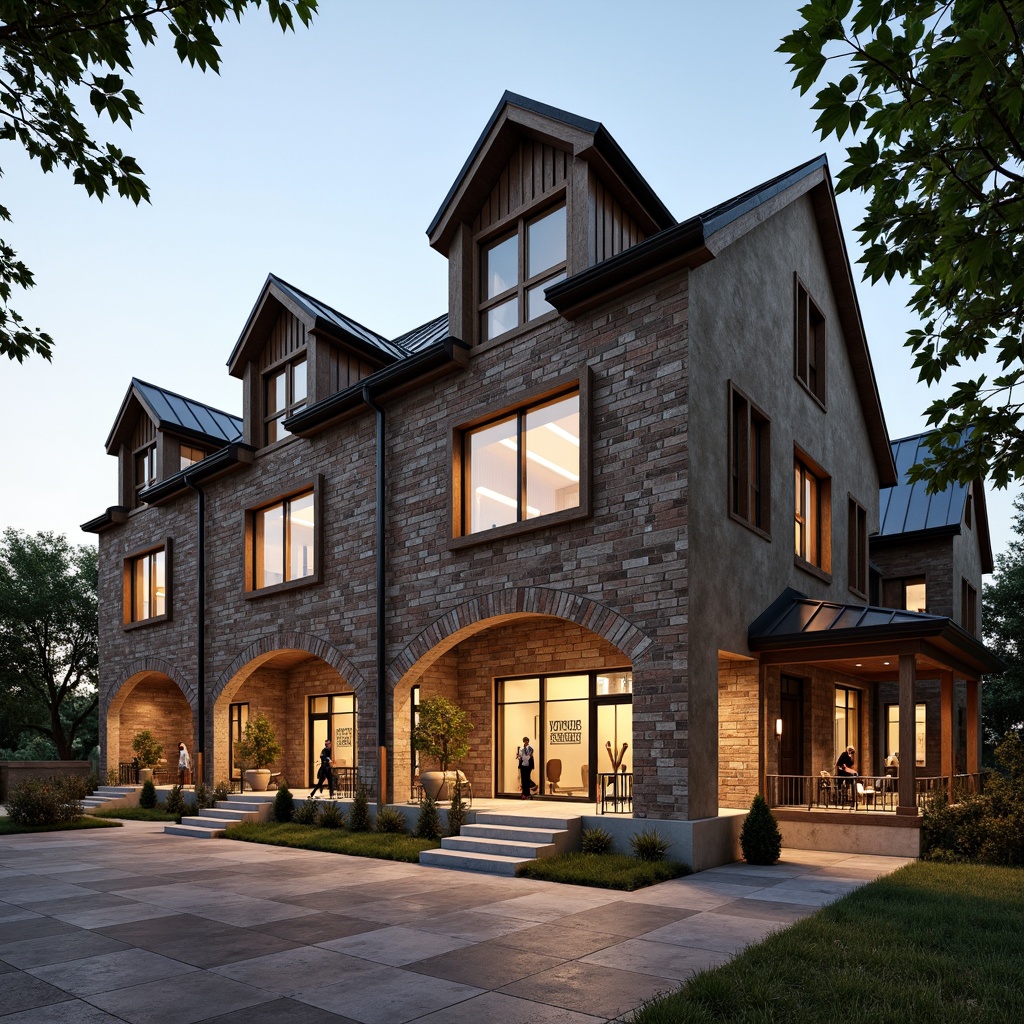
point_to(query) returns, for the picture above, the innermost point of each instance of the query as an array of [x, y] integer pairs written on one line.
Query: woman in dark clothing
[[524, 757], [324, 774]]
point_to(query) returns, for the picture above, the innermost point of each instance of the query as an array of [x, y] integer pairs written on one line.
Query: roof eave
[[226, 460], [116, 515]]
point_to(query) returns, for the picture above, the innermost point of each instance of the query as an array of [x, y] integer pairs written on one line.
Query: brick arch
[[513, 603], [273, 643], [142, 669]]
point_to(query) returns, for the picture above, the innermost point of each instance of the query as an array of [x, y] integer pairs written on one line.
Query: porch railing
[[880, 792]]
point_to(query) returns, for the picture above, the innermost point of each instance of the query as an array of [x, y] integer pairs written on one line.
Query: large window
[[523, 465], [857, 547], [892, 734], [812, 516], [516, 268], [146, 593], [908, 592], [809, 343], [847, 723], [283, 538], [749, 462], [284, 394]]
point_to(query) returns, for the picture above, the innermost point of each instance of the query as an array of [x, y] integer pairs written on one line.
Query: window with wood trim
[[190, 455], [146, 586], [857, 547], [284, 394], [812, 490], [522, 465], [809, 343], [283, 541], [749, 463], [907, 592], [516, 267], [145, 471], [968, 607]]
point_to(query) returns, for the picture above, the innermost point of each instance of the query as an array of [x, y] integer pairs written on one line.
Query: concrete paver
[[135, 925]]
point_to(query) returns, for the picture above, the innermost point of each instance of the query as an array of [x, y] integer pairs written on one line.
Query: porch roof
[[866, 639]]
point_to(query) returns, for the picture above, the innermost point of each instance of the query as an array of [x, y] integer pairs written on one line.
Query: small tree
[[147, 751], [359, 813], [760, 839], [456, 810], [147, 798], [284, 804], [442, 731], [259, 747], [428, 824]]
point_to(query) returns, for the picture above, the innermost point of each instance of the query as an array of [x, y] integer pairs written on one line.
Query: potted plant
[[442, 732], [257, 751], [147, 754]]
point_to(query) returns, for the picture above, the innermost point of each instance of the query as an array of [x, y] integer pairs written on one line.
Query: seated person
[[846, 769], [894, 760]]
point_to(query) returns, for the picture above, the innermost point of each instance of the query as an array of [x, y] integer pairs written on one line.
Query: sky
[[322, 155]]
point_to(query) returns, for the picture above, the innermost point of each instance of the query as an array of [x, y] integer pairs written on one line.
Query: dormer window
[[145, 470], [284, 394], [516, 268], [190, 455]]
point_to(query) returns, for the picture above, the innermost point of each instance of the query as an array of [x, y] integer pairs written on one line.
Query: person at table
[[846, 767]]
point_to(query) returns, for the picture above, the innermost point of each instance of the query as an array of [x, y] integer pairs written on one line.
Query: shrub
[[760, 838], [305, 813], [147, 798], [330, 815], [359, 814], [221, 790], [175, 802], [205, 797], [649, 845], [596, 840], [147, 751], [113, 777], [389, 819], [456, 810], [75, 787], [44, 802], [92, 783], [442, 731], [428, 824], [284, 804]]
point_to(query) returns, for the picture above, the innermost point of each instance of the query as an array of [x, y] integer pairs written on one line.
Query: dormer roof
[[317, 318], [516, 117], [172, 412]]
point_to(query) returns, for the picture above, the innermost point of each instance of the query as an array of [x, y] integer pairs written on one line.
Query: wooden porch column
[[946, 730], [973, 726], [908, 758]]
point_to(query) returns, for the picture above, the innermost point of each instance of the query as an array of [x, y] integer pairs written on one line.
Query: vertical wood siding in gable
[[536, 170], [346, 368], [144, 433], [287, 336], [612, 230]]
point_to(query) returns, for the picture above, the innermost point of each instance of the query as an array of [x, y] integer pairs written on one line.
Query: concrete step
[[467, 861], [540, 819], [193, 832], [202, 820], [231, 813], [498, 847], [525, 834]]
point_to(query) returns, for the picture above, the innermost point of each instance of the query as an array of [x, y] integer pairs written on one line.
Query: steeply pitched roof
[[908, 507]]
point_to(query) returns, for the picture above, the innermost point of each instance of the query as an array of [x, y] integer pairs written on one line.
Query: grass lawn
[[8, 827], [929, 944], [136, 814], [602, 870], [383, 845]]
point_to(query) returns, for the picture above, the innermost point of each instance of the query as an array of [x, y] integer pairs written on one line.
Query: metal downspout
[[200, 627], [381, 584]]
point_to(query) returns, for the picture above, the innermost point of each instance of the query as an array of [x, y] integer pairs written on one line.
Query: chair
[[825, 789], [553, 773], [465, 786], [865, 793]]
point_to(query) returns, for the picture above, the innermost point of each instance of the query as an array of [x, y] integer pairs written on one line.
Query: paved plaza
[[133, 925]]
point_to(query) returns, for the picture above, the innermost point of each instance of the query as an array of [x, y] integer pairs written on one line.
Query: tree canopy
[[1003, 621], [53, 53], [48, 636], [934, 91]]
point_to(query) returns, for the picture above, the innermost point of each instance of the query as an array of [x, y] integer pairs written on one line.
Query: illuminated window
[[145, 470], [283, 541], [516, 268], [909, 592], [892, 734], [146, 592], [522, 466], [812, 516], [284, 394], [190, 456]]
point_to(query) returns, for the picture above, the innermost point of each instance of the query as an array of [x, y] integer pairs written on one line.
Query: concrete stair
[[112, 796], [213, 821], [498, 843]]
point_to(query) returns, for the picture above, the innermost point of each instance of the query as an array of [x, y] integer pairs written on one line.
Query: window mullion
[[521, 465]]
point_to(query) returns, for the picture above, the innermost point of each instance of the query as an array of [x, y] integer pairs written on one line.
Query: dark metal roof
[[170, 411], [423, 337], [908, 507]]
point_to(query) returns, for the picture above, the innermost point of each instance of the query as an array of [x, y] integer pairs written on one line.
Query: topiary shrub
[[44, 802], [284, 804], [221, 790], [760, 838], [359, 813], [456, 810], [205, 797], [428, 824], [92, 783], [390, 820], [175, 802], [147, 798], [330, 815], [596, 840], [649, 845], [306, 813]]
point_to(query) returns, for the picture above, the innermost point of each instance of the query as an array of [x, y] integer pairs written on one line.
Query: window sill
[[515, 332], [154, 620], [511, 530], [764, 534], [812, 569], [277, 588], [818, 400]]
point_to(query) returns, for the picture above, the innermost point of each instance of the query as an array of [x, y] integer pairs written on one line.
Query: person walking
[[324, 774], [524, 758], [184, 765]]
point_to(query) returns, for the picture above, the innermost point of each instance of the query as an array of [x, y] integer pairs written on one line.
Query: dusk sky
[[322, 155]]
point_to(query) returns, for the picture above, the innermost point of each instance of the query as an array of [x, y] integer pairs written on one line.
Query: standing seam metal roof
[[908, 507], [172, 410]]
